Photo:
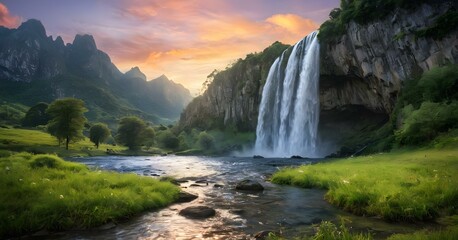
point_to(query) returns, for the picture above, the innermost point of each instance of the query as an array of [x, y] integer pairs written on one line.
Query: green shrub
[[442, 26], [439, 84], [206, 141], [427, 122], [168, 140], [48, 161], [52, 161], [36, 115]]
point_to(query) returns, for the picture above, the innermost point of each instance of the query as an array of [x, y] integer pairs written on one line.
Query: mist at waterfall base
[[290, 107]]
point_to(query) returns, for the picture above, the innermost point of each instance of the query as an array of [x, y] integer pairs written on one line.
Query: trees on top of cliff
[[362, 12]]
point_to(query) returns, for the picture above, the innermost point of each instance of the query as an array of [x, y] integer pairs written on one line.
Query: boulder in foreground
[[249, 185]]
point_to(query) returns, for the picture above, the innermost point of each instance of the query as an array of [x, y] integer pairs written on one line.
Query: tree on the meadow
[[149, 135], [36, 115], [67, 119], [131, 132], [98, 133]]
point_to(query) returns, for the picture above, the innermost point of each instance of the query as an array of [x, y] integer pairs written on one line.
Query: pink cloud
[[6, 19]]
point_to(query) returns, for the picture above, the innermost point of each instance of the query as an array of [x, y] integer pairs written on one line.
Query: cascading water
[[289, 110]]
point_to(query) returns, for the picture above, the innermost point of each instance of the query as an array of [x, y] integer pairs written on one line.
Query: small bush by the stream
[[45, 192], [398, 186]]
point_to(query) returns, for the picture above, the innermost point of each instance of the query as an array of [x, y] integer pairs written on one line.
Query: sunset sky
[[183, 39]]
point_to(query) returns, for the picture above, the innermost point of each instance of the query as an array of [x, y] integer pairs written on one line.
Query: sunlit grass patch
[[399, 186], [41, 142], [46, 192]]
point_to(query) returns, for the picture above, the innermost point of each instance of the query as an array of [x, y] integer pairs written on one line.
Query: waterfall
[[289, 110]]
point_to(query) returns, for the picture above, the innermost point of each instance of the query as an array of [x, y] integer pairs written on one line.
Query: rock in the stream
[[196, 185], [202, 181], [249, 185], [297, 157], [237, 211], [198, 212], [217, 185], [258, 156], [185, 197]]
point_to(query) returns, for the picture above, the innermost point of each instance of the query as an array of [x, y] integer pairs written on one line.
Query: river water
[[240, 215]]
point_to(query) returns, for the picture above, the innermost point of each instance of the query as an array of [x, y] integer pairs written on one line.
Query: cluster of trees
[[64, 119]]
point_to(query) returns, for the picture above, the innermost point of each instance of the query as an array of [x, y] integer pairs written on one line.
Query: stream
[[240, 215]]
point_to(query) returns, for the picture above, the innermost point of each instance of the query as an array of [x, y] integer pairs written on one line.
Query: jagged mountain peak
[[59, 41], [33, 26], [84, 42], [80, 70], [135, 72], [162, 78]]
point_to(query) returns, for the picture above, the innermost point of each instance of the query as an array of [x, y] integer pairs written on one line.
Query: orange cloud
[[293, 23], [6, 19], [187, 40]]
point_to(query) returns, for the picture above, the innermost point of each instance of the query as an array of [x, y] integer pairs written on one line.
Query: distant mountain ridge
[[34, 68]]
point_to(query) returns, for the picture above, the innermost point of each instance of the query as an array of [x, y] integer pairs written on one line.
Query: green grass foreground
[[398, 186], [45, 192]]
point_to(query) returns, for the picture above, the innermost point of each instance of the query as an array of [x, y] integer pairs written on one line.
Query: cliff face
[[368, 64], [233, 96]]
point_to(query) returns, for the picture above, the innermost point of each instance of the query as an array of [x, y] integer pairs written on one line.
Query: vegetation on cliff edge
[[366, 11]]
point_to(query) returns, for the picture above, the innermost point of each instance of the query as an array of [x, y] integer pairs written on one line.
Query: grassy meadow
[[45, 192], [398, 186], [36, 141]]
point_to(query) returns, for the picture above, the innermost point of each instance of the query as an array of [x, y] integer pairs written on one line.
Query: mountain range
[[35, 68]]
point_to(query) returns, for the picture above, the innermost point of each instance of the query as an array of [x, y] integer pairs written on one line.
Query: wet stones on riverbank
[[249, 185], [198, 212], [185, 197]]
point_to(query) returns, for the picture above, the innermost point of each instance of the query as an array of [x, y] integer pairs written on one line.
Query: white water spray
[[289, 110]]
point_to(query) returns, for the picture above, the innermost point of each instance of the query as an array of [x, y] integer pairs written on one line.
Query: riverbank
[[404, 185], [44, 192]]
